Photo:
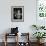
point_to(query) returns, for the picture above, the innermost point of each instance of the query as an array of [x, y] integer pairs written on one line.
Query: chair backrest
[[24, 37]]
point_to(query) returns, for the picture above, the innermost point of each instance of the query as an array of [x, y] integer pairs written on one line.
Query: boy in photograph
[[18, 13]]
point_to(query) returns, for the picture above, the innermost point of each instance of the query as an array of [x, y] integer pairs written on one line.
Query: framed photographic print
[[41, 12], [41, 8], [17, 13]]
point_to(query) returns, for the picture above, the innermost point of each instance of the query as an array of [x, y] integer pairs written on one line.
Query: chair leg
[[5, 43], [5, 39]]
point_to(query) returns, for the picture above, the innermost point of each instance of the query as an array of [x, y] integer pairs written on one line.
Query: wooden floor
[[13, 44]]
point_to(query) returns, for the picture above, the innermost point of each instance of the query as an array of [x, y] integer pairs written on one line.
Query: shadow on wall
[[6, 31], [32, 30]]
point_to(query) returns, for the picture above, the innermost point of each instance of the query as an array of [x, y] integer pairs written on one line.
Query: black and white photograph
[[17, 13]]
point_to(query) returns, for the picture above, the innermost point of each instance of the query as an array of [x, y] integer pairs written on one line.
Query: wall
[[29, 15]]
